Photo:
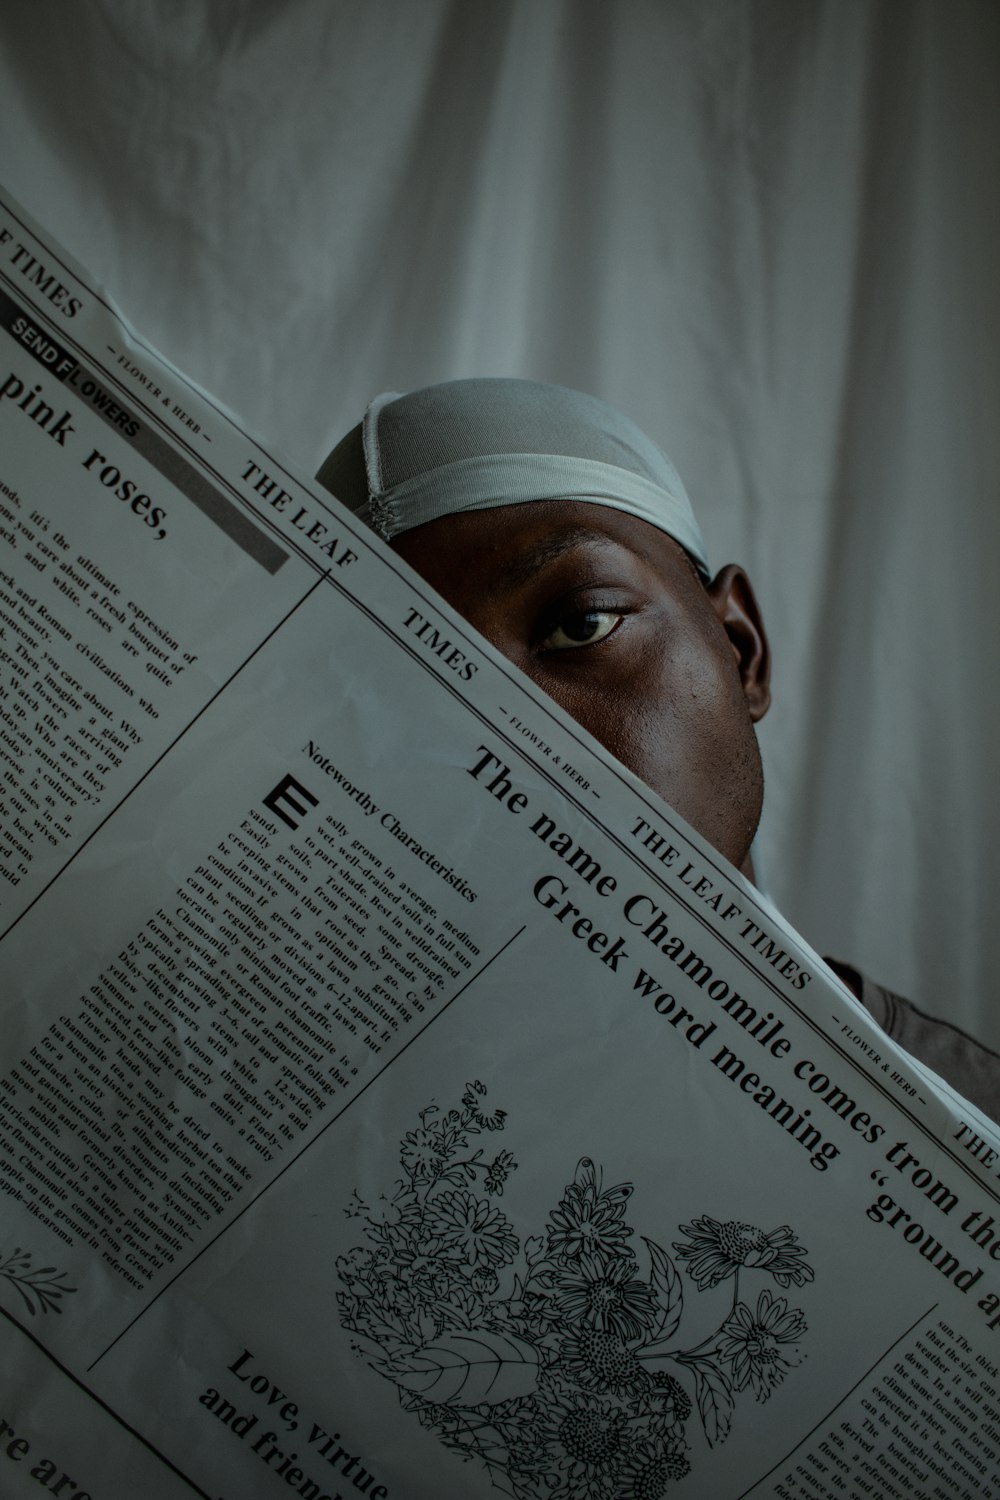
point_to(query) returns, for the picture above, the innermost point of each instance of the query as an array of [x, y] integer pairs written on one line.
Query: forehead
[[506, 548]]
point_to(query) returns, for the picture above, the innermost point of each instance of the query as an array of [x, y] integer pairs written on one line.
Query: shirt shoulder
[[969, 1066]]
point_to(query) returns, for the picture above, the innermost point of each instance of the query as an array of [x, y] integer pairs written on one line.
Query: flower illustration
[[670, 1399], [607, 1297], [760, 1345], [395, 1215], [588, 1221], [498, 1171], [601, 1361], [480, 1233], [421, 1154], [647, 1475], [422, 1272], [470, 1102], [589, 1435], [567, 1376], [529, 1452], [357, 1262], [717, 1251]]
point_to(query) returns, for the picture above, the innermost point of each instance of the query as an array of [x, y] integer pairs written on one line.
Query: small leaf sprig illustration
[[557, 1364], [41, 1288]]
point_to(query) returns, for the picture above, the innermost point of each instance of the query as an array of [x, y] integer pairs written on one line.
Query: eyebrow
[[522, 569]]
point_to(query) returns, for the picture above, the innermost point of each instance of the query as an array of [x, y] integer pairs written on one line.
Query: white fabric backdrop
[[767, 229]]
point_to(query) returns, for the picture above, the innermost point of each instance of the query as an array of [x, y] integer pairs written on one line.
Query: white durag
[[478, 444]]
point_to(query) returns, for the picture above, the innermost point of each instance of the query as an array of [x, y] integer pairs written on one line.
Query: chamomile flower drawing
[[558, 1363]]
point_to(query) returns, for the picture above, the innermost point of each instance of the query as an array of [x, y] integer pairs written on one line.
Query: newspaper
[[397, 1099]]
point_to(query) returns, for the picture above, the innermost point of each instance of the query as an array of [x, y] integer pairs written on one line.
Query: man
[[557, 529]]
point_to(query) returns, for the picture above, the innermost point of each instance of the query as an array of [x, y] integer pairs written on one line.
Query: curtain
[[766, 229]]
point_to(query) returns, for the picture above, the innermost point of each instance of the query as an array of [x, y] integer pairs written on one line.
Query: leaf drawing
[[666, 1283], [714, 1396], [472, 1369], [43, 1286]]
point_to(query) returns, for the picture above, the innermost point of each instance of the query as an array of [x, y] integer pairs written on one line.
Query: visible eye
[[583, 627]]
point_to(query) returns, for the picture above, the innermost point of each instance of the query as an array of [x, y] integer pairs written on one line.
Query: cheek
[[682, 726], [680, 710], [659, 718], [711, 771]]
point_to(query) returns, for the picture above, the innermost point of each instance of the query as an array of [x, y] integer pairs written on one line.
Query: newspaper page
[[396, 1098]]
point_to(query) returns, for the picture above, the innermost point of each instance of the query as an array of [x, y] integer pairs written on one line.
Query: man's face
[[606, 614]]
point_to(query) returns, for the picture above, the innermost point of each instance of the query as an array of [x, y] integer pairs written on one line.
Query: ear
[[732, 598]]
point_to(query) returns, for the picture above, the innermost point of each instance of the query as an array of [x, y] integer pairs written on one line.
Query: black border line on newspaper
[[132, 1431]]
